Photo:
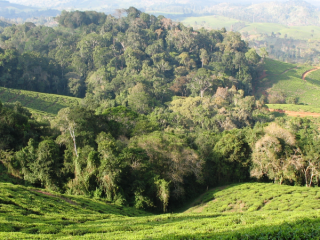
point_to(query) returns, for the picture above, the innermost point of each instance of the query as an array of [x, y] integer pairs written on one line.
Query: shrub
[[291, 100], [276, 97]]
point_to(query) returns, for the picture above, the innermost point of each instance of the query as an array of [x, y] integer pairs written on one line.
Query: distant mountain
[[17, 11], [94, 4], [290, 13]]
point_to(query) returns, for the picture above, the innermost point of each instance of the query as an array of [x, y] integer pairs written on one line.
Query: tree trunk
[[201, 93], [73, 136]]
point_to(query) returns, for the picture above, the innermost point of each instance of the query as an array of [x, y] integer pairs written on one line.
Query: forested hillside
[[167, 112], [90, 54]]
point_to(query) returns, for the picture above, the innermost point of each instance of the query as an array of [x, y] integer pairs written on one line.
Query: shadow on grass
[[199, 200], [304, 228], [278, 114], [5, 177], [301, 229], [313, 81]]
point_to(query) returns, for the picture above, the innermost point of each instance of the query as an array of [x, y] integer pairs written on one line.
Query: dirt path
[[288, 70], [31, 101], [52, 195], [15, 98], [305, 74], [51, 105], [296, 114]]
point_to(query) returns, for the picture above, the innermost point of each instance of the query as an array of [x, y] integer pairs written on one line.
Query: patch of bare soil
[[296, 114]]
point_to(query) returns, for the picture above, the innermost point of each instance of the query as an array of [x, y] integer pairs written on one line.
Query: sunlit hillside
[[289, 80], [35, 101], [244, 211]]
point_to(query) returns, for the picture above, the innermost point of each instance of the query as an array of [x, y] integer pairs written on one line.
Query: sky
[[52, 3], [315, 2]]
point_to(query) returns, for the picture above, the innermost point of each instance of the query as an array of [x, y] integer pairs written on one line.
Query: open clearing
[[38, 102], [254, 29], [293, 113], [302, 82]]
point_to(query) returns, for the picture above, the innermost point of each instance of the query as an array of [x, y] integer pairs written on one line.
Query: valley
[[134, 126]]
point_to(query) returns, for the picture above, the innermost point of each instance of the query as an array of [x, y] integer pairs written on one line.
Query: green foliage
[[16, 127], [132, 61], [77, 18], [232, 154], [167, 113]]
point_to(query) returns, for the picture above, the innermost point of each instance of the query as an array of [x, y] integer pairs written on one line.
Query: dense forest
[[167, 111]]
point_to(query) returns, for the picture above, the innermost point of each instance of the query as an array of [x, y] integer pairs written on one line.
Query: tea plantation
[[254, 29], [38, 102], [242, 211], [287, 78]]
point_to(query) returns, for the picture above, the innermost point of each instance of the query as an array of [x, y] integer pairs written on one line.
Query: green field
[[287, 78], [296, 32], [274, 67], [218, 22], [242, 211], [295, 108], [38, 103], [157, 13], [215, 22], [314, 77]]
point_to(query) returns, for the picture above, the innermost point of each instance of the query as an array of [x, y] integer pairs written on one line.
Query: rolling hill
[[14, 10], [38, 102], [290, 80], [298, 44], [254, 30], [250, 211], [285, 12]]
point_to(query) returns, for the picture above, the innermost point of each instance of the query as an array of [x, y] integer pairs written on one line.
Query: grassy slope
[[38, 102], [253, 209], [215, 22], [296, 32], [314, 77], [31, 214], [295, 108], [287, 78]]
